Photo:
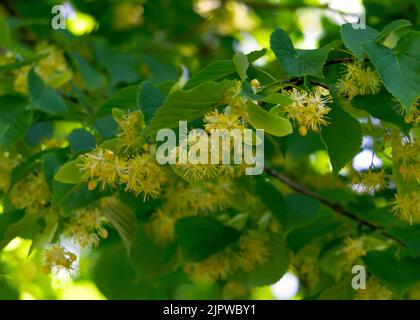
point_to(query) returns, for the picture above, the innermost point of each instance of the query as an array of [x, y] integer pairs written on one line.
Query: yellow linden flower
[[21, 79], [374, 291], [220, 121], [130, 126], [408, 155], [371, 181], [132, 13], [307, 109], [162, 226], [31, 193], [232, 97], [199, 171], [255, 84], [369, 82], [358, 80], [234, 290], [253, 250], [144, 175], [58, 258], [354, 248], [54, 64], [218, 266], [407, 206], [413, 116], [347, 88], [193, 167], [101, 166], [86, 227]]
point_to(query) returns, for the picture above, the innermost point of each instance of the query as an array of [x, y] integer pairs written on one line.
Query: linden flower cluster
[[189, 201], [234, 290], [353, 249], [86, 227], [49, 68], [233, 98], [308, 109], [358, 80], [413, 116], [252, 252], [374, 291], [7, 163], [407, 206], [141, 174], [130, 126], [131, 12], [31, 193], [58, 258], [408, 154], [195, 169], [306, 267], [370, 181]]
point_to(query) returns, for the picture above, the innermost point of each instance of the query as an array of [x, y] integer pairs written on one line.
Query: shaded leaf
[[200, 237], [297, 62]]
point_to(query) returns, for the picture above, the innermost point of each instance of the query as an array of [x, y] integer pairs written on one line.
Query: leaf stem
[[334, 206]]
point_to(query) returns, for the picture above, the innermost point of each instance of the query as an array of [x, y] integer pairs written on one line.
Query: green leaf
[[241, 64], [216, 70], [300, 211], [219, 70], [393, 27], [200, 237], [122, 218], [399, 273], [81, 141], [46, 233], [7, 219], [273, 269], [255, 55], [93, 78], [52, 161], [70, 197], [301, 236], [188, 105], [15, 119], [26, 167], [399, 67], [410, 235], [277, 98], [150, 98], [272, 198], [26, 227], [113, 274], [5, 35], [342, 137], [339, 291], [151, 260], [380, 106], [353, 38], [19, 64], [43, 97], [7, 292], [70, 173], [271, 123], [297, 62], [125, 99]]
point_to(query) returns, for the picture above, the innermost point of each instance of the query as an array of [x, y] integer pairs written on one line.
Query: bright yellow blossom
[[58, 258]]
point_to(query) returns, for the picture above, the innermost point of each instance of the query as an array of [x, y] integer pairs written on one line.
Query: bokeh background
[[160, 40]]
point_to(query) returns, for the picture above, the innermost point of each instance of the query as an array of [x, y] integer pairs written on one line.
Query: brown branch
[[339, 60], [334, 206]]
